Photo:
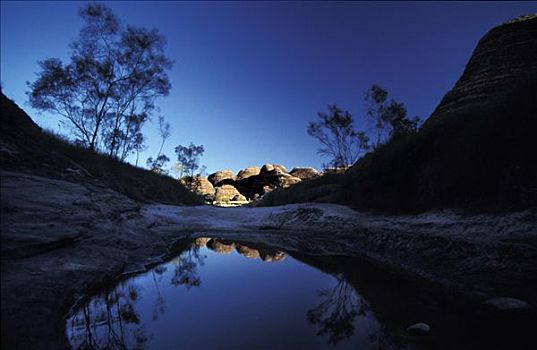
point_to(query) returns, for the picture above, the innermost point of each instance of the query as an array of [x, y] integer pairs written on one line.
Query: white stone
[[419, 329], [506, 303]]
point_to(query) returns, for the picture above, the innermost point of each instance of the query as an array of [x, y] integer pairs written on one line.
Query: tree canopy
[[390, 117], [107, 91], [340, 142], [189, 157]]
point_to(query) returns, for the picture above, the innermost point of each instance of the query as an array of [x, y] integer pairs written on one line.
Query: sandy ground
[[62, 240]]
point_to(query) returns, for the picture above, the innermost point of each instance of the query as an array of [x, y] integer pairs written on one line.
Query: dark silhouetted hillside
[[478, 150], [24, 147]]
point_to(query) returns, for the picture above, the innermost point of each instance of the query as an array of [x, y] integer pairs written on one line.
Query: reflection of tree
[[110, 321], [158, 306], [102, 323], [336, 313], [186, 268]]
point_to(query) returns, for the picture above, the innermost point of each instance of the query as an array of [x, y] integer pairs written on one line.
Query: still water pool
[[220, 294]]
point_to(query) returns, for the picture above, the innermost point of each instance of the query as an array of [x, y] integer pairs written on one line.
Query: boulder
[[267, 168], [253, 181], [202, 186], [280, 169], [305, 173], [419, 329], [270, 169], [218, 176], [239, 198], [250, 171], [225, 193], [286, 180], [507, 304]]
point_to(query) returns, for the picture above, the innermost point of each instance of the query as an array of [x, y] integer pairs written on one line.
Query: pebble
[[507, 304], [419, 329]]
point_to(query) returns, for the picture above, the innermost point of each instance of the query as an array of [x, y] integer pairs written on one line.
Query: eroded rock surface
[[305, 173], [504, 58], [226, 193], [218, 176], [247, 172]]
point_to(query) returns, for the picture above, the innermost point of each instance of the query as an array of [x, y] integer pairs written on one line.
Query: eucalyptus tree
[[340, 142], [389, 116], [107, 90]]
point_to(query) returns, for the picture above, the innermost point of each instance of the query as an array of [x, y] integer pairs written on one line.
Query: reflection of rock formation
[[271, 255], [247, 252], [201, 242], [220, 247]]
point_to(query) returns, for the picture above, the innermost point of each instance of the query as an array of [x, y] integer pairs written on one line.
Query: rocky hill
[[476, 151], [504, 58]]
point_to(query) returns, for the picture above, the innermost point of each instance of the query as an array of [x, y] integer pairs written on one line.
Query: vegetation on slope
[[25, 147], [481, 157]]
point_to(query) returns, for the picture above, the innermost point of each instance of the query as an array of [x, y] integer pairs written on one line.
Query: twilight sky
[[249, 76]]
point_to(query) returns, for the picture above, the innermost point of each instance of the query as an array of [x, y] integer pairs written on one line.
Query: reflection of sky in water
[[205, 299]]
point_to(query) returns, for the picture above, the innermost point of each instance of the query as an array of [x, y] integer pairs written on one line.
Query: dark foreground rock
[[59, 241]]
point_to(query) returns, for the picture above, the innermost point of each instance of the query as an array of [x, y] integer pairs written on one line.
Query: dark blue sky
[[249, 76]]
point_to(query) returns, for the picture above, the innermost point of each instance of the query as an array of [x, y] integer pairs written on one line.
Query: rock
[[280, 169], [419, 329], [200, 185], [305, 173], [503, 59], [286, 180], [253, 181], [266, 189], [269, 169], [218, 176], [239, 198], [226, 193], [507, 304], [337, 170], [246, 173], [220, 247]]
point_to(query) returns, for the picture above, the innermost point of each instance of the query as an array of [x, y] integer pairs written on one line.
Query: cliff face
[[503, 59]]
